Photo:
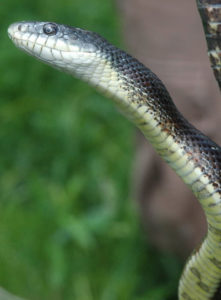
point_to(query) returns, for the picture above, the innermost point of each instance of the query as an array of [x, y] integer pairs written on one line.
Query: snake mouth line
[[36, 49], [30, 48]]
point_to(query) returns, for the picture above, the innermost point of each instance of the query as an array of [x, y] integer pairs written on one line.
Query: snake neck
[[193, 156], [144, 99]]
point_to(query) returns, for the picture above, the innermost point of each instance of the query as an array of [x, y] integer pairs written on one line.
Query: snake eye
[[50, 29]]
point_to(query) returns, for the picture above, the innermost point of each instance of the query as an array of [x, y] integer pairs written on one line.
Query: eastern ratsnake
[[144, 99]]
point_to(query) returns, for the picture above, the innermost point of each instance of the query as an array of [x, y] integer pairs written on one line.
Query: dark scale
[[210, 11]]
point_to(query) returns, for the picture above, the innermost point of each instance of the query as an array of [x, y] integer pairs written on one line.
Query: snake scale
[[140, 94], [210, 11]]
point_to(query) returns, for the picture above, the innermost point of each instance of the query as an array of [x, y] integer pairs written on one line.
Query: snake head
[[64, 47]]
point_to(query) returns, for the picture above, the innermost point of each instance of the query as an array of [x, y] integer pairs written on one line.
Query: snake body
[[140, 94], [210, 11]]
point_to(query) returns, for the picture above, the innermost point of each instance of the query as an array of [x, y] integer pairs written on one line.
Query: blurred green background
[[69, 228]]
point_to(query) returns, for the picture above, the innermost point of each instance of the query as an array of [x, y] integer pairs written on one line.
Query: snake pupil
[[50, 29]]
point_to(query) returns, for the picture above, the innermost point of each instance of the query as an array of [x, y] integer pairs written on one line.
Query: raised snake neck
[[144, 99]]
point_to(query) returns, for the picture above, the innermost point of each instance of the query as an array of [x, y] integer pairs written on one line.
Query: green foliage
[[68, 227]]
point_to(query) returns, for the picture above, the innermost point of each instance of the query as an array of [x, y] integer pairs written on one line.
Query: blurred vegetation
[[68, 226]]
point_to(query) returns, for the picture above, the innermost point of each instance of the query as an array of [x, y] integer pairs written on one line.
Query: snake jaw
[[66, 47]]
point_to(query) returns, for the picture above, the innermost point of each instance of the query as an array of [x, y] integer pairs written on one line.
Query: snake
[[210, 12], [143, 98]]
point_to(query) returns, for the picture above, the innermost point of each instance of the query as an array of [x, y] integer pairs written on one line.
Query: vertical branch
[[210, 12]]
